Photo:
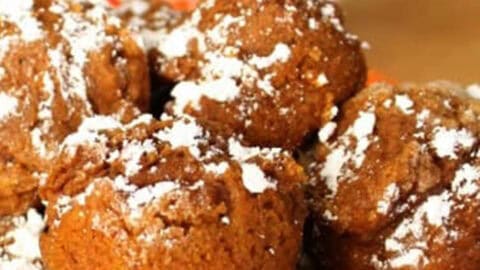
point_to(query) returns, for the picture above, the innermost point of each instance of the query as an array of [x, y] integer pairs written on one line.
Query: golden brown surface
[[59, 62], [142, 201], [396, 187], [270, 71]]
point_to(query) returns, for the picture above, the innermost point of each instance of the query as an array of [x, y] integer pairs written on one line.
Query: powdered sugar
[[23, 252], [466, 181], [448, 141], [404, 103], [241, 153], [183, 135], [224, 71], [408, 242], [148, 194], [336, 165], [20, 14], [326, 132], [328, 14], [83, 37], [281, 53], [217, 169], [255, 180], [321, 80], [392, 193], [473, 90], [132, 153], [9, 106], [189, 93], [176, 43]]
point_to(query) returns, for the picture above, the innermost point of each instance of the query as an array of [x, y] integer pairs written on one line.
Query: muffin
[[270, 72], [393, 181], [59, 63], [165, 195]]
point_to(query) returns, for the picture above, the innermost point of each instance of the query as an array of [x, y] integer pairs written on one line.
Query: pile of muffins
[[239, 135]]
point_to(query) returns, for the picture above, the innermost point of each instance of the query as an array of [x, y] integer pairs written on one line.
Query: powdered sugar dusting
[[189, 93], [183, 135], [132, 153], [9, 106], [242, 153], [404, 103], [147, 194], [20, 14], [217, 169], [466, 180], [22, 251], [255, 180], [340, 160], [72, 36], [430, 223], [321, 80], [473, 91], [435, 211], [448, 141], [83, 38], [253, 177], [326, 132], [392, 193], [224, 70], [281, 53], [328, 14]]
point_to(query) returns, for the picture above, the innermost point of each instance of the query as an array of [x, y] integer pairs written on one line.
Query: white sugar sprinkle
[[407, 243], [337, 161], [225, 220], [132, 153], [437, 209], [255, 180], [190, 93], [23, 253], [183, 134], [217, 169], [20, 13], [448, 141], [38, 144], [327, 131], [149, 193], [466, 181], [241, 153], [391, 194], [412, 257], [8, 106], [474, 91], [321, 80], [281, 53], [404, 103]]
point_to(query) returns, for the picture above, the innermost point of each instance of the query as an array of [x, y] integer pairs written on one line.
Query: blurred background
[[419, 40], [416, 40]]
